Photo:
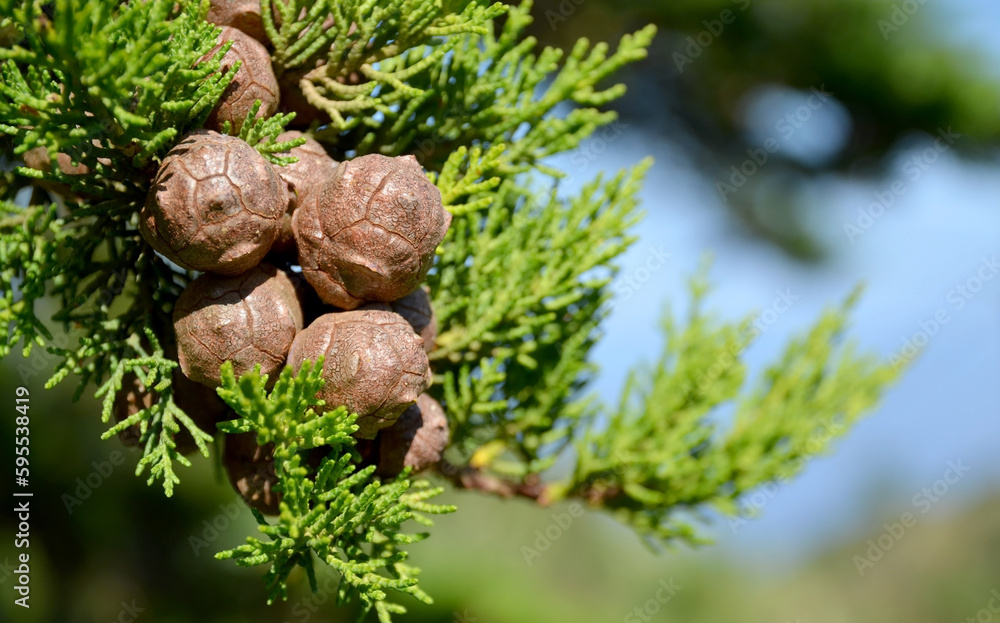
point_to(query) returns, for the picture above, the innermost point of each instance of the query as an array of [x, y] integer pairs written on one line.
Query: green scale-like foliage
[[661, 451], [520, 283], [112, 88], [335, 512]]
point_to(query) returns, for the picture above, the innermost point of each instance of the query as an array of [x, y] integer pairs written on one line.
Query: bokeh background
[[846, 100]]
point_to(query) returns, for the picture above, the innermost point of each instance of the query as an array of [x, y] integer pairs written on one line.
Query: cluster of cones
[[316, 258]]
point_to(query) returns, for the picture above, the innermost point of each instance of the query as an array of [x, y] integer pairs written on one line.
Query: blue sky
[[920, 258]]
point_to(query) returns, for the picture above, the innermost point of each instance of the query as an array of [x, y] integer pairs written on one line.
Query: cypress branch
[[519, 285]]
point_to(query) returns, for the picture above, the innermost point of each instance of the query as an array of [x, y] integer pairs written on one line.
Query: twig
[[474, 479]]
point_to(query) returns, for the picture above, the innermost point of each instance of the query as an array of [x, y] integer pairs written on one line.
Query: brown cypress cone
[[243, 15], [200, 403], [39, 159], [373, 364], [312, 306], [132, 398], [250, 468], [254, 80], [292, 97], [249, 319], [416, 309], [372, 234], [215, 205], [416, 440], [294, 100], [303, 180]]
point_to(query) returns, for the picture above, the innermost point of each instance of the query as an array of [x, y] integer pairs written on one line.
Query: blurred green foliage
[[126, 543], [101, 539], [888, 64]]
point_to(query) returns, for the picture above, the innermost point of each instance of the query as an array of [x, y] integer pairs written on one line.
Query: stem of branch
[[475, 480]]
